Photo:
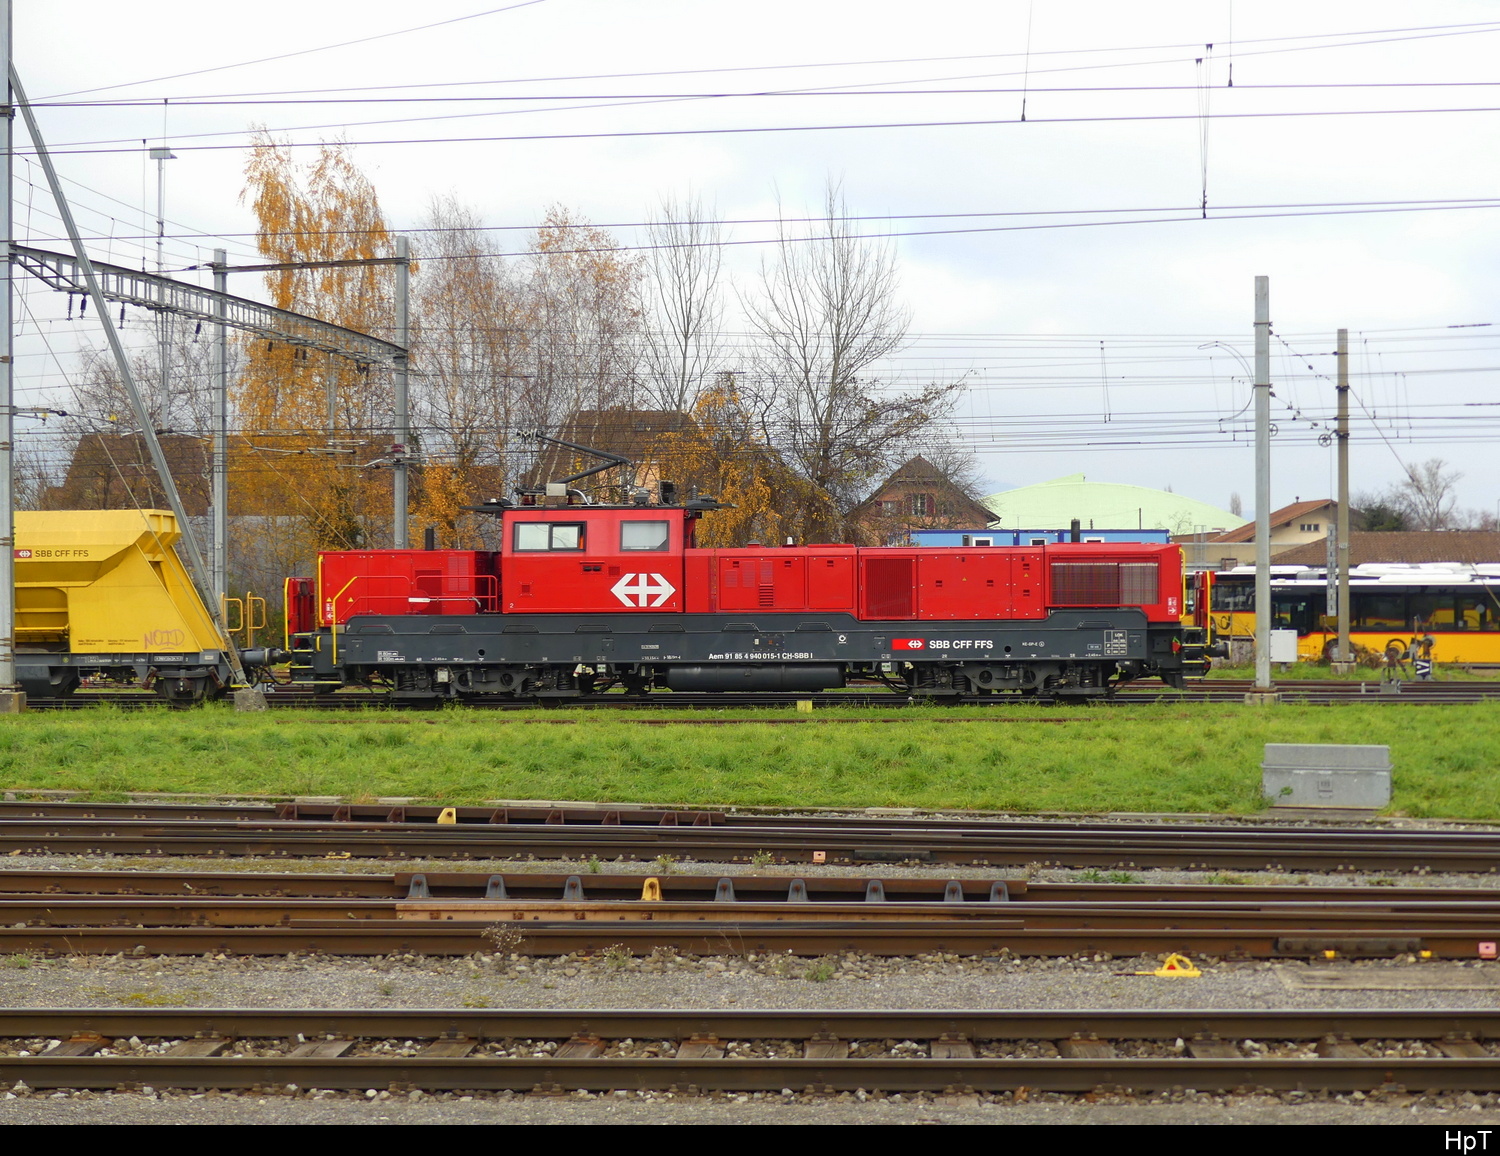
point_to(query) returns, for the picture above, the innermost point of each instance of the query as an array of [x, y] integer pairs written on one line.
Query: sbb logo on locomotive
[[943, 644], [643, 590]]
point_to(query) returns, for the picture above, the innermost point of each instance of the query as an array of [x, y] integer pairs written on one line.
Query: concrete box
[[1326, 775]]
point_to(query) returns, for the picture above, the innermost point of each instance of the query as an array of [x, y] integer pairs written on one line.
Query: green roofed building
[[1105, 506]]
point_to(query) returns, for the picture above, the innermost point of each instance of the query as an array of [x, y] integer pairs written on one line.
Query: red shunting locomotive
[[585, 598]]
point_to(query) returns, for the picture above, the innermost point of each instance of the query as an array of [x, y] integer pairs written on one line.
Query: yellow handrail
[[252, 621], [333, 624]]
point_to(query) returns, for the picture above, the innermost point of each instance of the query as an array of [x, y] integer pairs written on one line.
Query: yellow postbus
[[1456, 605]]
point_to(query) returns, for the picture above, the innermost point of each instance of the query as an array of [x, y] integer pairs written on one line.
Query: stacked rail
[[460, 914]]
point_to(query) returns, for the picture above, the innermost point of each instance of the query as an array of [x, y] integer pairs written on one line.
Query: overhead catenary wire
[[106, 148], [1385, 35], [310, 51]]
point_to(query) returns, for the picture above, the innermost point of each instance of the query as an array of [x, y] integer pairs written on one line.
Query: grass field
[[1158, 758]]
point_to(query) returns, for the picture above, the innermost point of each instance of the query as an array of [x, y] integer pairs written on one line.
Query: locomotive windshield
[[643, 536], [549, 536]]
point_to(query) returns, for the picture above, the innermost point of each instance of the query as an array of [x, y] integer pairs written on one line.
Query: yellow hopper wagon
[[103, 593]]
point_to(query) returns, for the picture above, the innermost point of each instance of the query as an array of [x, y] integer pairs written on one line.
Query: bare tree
[[954, 459], [1236, 507], [99, 394], [827, 311], [38, 454], [684, 303], [97, 456], [472, 345], [1429, 495], [585, 301]]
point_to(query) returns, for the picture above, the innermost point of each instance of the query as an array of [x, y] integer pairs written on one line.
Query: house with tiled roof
[[1300, 524], [917, 496], [630, 433], [114, 471]]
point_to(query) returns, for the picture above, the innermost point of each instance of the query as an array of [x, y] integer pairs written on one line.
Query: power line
[[1114, 89], [303, 51], [1388, 35], [1434, 202], [86, 148]]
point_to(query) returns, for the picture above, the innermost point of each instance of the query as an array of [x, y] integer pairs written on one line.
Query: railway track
[[458, 914], [309, 830], [1305, 691], [552, 1052]]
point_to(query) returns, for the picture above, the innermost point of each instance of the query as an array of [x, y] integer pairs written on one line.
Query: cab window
[[643, 535], [548, 536]]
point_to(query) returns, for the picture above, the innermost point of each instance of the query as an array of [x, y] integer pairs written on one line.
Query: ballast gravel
[[667, 979]]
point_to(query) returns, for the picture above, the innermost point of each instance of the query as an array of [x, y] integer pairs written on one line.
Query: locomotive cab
[[593, 560]]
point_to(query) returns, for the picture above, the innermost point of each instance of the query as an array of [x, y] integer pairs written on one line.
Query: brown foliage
[[312, 424], [720, 455]]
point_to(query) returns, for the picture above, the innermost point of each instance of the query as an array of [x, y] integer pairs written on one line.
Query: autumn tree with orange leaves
[[722, 455], [314, 427]]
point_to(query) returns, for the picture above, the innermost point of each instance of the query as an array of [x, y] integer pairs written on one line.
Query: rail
[[818, 1051], [788, 839]]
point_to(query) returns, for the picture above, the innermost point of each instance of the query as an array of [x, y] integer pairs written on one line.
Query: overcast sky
[[1060, 265]]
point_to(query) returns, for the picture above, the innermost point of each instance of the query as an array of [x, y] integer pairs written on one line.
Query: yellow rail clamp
[[1330, 954], [1173, 966], [339, 855], [448, 815], [651, 890]]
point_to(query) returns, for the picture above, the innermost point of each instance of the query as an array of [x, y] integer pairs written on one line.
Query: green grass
[[1154, 758]]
